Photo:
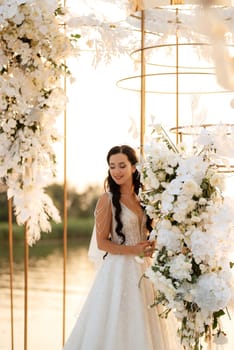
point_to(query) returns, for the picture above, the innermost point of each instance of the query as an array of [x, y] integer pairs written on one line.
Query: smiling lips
[[118, 178]]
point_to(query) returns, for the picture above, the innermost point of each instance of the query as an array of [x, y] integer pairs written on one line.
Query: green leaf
[[216, 315], [75, 36]]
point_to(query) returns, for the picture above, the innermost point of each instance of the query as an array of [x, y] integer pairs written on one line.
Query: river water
[[45, 294]]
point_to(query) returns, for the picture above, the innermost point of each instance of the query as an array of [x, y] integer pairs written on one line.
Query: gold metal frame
[[26, 259], [178, 70], [163, 92], [168, 45], [64, 218], [182, 129], [179, 130], [11, 268], [142, 116], [65, 209], [190, 130]]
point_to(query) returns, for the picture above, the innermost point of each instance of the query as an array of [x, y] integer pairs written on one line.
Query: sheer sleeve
[[101, 227], [103, 217]]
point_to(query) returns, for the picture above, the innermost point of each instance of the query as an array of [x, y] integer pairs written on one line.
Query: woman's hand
[[145, 248]]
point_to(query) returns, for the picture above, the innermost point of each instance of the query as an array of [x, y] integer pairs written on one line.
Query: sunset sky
[[100, 114]]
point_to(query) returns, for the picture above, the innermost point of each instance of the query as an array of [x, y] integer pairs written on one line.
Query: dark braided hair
[[114, 188]]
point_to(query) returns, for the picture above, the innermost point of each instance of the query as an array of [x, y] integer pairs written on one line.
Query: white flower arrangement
[[191, 268], [34, 47]]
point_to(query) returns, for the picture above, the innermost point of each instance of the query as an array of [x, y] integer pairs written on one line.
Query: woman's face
[[121, 169]]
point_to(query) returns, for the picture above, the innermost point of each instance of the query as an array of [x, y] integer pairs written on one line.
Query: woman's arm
[[103, 228]]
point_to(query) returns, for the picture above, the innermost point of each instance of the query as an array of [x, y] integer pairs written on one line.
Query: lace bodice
[[133, 229]]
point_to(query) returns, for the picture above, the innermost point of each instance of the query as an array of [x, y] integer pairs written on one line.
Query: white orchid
[[33, 49]]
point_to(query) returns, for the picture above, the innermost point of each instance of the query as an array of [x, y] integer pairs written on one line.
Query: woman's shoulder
[[104, 200], [105, 196]]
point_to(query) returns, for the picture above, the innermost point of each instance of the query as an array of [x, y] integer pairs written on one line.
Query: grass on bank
[[76, 228]]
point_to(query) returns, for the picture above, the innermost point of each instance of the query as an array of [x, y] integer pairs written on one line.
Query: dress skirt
[[117, 314]]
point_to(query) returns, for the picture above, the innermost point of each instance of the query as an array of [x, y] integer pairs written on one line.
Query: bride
[[117, 313]]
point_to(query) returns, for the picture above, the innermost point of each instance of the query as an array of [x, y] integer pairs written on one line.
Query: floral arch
[[37, 39]]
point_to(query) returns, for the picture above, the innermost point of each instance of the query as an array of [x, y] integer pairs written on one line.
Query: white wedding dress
[[117, 313]]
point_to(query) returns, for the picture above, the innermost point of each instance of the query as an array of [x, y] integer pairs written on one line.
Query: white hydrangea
[[212, 292], [180, 267], [169, 239], [191, 188]]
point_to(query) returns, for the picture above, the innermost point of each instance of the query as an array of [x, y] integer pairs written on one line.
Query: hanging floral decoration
[[191, 269], [33, 52], [104, 38]]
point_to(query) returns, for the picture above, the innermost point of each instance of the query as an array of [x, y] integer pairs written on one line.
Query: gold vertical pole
[[25, 287], [64, 211], [11, 268], [64, 220], [177, 81], [142, 126], [177, 2]]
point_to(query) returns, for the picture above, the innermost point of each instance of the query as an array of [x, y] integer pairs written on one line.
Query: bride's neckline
[[131, 202], [138, 214]]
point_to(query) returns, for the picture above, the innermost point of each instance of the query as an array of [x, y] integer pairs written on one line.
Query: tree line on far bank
[[79, 205]]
